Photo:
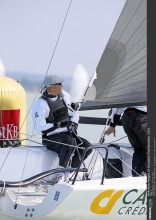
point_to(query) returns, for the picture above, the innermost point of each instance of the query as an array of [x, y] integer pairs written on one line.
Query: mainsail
[[120, 78]]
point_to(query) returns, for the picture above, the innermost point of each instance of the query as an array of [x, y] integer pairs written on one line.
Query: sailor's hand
[[73, 127], [110, 130], [62, 124]]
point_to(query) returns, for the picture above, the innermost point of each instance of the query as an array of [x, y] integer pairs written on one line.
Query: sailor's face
[[57, 88]]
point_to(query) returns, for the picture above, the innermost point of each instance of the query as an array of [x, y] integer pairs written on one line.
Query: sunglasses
[[57, 84]]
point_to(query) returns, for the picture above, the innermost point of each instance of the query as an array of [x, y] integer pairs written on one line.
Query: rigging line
[[36, 96], [109, 149], [111, 164], [20, 133], [59, 36], [38, 92], [51, 58], [52, 141], [123, 161], [65, 144], [117, 139], [9, 150], [62, 143], [1, 123], [29, 110], [32, 141], [77, 148], [93, 161], [100, 142], [22, 175], [6, 155], [24, 168], [95, 155], [116, 169]]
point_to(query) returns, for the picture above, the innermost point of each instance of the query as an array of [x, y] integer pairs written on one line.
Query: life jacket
[[58, 109]]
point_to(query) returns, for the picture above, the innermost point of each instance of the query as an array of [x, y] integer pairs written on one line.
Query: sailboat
[[103, 187]]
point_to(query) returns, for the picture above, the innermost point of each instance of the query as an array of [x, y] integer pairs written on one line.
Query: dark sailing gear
[[53, 121], [85, 144], [58, 109], [73, 127], [63, 124], [41, 110], [134, 121], [59, 143], [135, 126], [116, 118], [58, 114], [56, 142]]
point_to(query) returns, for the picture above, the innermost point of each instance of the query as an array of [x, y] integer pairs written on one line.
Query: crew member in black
[[134, 121]]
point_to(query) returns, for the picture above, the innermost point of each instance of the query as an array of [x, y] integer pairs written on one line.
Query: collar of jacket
[[48, 95]]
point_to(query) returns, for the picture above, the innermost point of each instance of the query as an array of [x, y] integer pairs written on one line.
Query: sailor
[[57, 122], [134, 121]]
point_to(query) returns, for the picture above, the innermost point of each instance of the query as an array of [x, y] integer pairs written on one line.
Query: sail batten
[[121, 74]]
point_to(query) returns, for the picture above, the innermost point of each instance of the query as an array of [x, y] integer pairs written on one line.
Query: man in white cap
[[54, 118]]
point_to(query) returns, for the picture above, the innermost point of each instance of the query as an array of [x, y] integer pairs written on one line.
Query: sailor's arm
[[39, 115], [115, 116], [40, 112], [74, 115]]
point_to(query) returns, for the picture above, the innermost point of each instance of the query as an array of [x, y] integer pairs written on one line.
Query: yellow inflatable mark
[[95, 208], [12, 112]]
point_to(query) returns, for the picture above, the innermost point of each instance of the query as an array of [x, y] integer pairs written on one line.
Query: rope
[[51, 57], [38, 92], [96, 152]]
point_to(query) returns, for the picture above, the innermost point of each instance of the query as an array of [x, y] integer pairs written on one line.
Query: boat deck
[[27, 195], [36, 194]]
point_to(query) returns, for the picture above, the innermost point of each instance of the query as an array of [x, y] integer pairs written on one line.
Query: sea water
[[90, 132]]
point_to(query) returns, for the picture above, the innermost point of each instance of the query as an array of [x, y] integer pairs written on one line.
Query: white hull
[[74, 201], [117, 198]]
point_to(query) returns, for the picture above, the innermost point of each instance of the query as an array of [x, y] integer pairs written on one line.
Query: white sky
[[29, 30]]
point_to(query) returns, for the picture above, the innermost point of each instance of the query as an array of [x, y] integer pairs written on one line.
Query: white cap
[[51, 80]]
